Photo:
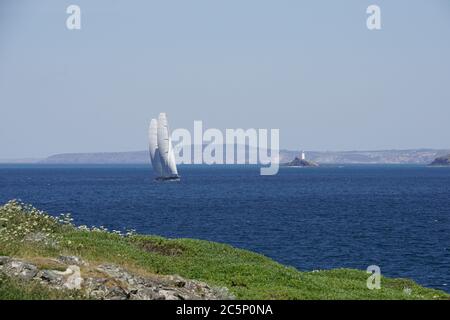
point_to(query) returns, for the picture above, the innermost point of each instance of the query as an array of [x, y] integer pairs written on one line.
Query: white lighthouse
[[302, 155]]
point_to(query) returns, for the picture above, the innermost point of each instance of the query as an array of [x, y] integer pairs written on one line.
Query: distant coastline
[[410, 156]]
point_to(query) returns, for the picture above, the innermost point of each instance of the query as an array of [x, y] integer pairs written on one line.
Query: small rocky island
[[300, 161], [441, 161]]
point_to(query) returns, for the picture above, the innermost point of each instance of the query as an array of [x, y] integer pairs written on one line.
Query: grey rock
[[96, 288], [113, 271], [23, 270], [72, 260], [116, 293], [146, 294], [171, 294], [120, 274], [116, 284], [177, 281], [69, 279], [4, 260], [72, 275], [51, 277], [300, 163], [163, 287]]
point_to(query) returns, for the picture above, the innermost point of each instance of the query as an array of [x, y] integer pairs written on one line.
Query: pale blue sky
[[310, 68]]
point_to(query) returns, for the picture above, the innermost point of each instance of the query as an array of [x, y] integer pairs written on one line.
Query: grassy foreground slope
[[32, 235]]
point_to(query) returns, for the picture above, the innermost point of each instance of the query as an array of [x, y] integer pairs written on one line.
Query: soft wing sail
[[153, 148], [169, 167], [172, 163]]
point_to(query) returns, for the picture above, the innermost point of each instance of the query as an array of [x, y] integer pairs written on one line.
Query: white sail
[[153, 148], [169, 167], [172, 163]]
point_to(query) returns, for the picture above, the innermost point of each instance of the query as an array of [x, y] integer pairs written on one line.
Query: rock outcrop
[[441, 161], [109, 281], [297, 162]]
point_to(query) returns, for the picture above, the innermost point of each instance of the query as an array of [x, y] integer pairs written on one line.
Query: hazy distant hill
[[21, 160], [135, 157], [415, 156]]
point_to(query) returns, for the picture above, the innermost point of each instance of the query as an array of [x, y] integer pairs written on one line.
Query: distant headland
[[441, 161], [410, 156]]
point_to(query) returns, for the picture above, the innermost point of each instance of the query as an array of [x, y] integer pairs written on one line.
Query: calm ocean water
[[397, 217]]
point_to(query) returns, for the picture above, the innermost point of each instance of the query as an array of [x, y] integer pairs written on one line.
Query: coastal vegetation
[[44, 247]]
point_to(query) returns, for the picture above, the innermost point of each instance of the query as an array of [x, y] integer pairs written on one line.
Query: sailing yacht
[[161, 150]]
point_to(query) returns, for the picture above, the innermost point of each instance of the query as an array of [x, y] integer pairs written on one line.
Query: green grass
[[12, 289], [246, 274]]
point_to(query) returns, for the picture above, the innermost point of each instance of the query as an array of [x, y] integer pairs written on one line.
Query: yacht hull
[[174, 178]]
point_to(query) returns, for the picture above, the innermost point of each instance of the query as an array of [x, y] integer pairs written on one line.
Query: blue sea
[[396, 217]]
